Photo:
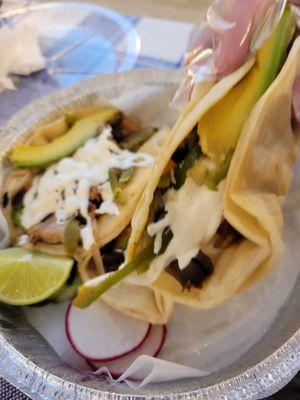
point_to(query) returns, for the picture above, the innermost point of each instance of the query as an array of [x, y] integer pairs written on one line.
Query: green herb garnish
[[136, 139], [126, 175], [16, 213], [116, 186], [71, 236]]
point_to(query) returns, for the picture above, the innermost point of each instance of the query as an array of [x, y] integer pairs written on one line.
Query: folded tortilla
[[136, 301], [258, 179]]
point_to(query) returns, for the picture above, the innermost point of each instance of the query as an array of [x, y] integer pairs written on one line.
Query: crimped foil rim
[[256, 382]]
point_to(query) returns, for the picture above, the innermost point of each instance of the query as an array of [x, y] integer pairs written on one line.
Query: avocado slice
[[25, 156], [220, 128]]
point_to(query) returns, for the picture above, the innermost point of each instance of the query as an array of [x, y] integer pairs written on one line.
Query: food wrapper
[[231, 31], [198, 342]]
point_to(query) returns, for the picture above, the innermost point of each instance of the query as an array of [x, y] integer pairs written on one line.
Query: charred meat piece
[[159, 213], [157, 209], [124, 127], [130, 125], [186, 146], [194, 274], [47, 231], [113, 260], [180, 154], [95, 198], [226, 236], [5, 200]]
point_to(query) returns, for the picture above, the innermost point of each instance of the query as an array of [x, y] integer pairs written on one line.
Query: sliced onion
[[100, 333]]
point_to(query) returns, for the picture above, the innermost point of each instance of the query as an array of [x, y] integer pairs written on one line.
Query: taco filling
[[186, 231], [57, 199]]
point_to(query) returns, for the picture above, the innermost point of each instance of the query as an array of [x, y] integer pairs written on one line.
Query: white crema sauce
[[194, 214], [63, 189]]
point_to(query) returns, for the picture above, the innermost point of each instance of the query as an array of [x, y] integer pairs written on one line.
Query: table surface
[[180, 10]]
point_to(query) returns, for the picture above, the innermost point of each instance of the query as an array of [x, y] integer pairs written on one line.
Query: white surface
[[22, 53], [49, 321], [149, 347], [161, 39]]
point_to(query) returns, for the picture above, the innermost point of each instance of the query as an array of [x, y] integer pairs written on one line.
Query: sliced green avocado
[[26, 156], [220, 128]]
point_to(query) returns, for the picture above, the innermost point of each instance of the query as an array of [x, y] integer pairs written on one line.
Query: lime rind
[[29, 277]]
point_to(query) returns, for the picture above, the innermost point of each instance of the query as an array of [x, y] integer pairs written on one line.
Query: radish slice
[[151, 347], [101, 333]]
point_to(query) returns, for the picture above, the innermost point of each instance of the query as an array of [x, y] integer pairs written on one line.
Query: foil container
[[28, 362]]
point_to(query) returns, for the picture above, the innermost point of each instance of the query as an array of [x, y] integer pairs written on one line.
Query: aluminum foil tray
[[28, 362]]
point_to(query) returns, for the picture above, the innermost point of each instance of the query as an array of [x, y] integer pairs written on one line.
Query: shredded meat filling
[[226, 236], [47, 231]]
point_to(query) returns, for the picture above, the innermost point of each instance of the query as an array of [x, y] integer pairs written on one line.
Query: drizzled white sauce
[[194, 214], [63, 189], [107, 206], [156, 229], [23, 239]]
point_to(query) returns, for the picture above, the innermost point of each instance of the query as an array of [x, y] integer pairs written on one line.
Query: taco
[[209, 222], [72, 188]]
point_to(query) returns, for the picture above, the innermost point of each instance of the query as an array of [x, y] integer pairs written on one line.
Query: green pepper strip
[[88, 294], [216, 176], [126, 175], [136, 139], [188, 162], [16, 214], [71, 236], [116, 187]]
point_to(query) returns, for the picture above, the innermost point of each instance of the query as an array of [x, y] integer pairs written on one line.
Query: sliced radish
[[101, 333], [151, 347]]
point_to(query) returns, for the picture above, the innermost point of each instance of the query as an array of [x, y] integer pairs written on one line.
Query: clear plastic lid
[[224, 39]]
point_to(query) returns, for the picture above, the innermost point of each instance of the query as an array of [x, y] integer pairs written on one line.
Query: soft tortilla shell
[[186, 122], [259, 177]]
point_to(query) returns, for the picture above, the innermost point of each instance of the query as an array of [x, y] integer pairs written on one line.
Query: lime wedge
[[28, 277]]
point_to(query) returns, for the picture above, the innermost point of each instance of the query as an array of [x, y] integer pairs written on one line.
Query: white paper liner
[[198, 342]]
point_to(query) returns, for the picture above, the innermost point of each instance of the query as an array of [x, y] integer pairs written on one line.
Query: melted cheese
[[63, 189], [194, 214]]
